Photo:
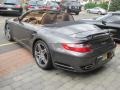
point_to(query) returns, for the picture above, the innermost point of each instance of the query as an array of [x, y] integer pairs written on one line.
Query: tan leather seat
[[66, 17], [46, 19], [63, 17]]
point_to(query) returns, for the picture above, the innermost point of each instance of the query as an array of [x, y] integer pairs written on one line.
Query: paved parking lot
[[18, 70]]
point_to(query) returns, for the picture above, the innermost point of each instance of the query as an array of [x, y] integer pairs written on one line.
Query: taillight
[[82, 48], [30, 6], [18, 6], [58, 8]]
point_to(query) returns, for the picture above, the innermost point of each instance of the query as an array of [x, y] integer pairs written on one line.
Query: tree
[[115, 5]]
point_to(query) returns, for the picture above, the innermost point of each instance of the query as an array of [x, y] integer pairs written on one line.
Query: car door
[[23, 31], [94, 10]]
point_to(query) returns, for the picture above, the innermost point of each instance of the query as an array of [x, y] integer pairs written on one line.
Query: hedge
[[92, 5], [115, 5]]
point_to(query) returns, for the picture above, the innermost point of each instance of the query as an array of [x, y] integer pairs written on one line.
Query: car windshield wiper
[[10, 3]]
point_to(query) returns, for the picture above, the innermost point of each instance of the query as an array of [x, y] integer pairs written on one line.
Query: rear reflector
[[82, 48], [30, 6]]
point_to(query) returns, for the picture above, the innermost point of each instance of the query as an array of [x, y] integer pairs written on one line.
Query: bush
[[103, 5], [115, 5], [92, 5]]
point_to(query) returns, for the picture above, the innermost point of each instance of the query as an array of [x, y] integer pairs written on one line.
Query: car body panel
[[72, 6], [67, 32], [35, 5], [101, 22], [52, 5], [97, 10], [10, 7]]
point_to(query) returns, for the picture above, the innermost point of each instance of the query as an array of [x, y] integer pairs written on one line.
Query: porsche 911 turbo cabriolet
[[55, 39]]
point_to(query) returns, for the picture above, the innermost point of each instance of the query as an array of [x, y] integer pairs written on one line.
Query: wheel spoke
[[44, 51], [39, 47], [37, 52], [39, 60], [44, 60], [41, 54]]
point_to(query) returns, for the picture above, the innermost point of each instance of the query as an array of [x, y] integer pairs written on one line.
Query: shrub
[[115, 5], [103, 5], [92, 5]]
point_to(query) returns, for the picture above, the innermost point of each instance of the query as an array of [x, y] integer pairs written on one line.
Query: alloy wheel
[[7, 33], [41, 54]]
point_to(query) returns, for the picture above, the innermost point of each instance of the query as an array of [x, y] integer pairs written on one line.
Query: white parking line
[[6, 44]]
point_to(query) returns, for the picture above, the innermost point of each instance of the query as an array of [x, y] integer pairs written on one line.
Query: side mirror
[[17, 19], [104, 22]]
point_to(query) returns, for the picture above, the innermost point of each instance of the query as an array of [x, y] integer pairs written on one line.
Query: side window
[[96, 8], [114, 18]]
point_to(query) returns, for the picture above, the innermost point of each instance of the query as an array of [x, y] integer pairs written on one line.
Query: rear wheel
[[42, 55], [8, 33]]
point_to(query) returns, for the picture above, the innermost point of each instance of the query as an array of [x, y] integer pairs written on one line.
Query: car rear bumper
[[11, 11], [78, 63]]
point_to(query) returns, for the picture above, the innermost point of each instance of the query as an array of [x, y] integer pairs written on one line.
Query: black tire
[[20, 13], [42, 55], [77, 13], [8, 33]]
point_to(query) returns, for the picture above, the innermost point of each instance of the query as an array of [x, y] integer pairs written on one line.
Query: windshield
[[75, 3], [12, 1], [32, 2], [40, 3]]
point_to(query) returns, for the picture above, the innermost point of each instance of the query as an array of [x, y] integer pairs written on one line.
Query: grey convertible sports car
[[55, 39]]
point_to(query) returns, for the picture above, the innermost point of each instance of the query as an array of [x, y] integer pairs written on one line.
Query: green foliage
[[103, 5], [92, 5], [115, 5]]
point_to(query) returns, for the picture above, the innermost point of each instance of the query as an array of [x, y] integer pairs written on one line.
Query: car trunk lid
[[88, 33]]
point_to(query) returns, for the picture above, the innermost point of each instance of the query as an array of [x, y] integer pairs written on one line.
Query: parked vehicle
[[52, 5], [11, 7], [97, 10], [35, 4], [110, 21], [72, 7], [55, 39]]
